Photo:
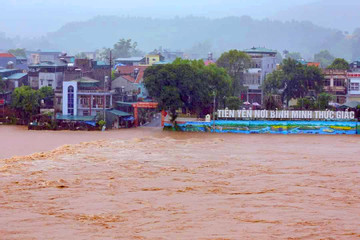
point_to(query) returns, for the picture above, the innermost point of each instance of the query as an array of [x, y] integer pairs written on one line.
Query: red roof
[[6, 55], [127, 72], [315, 64]]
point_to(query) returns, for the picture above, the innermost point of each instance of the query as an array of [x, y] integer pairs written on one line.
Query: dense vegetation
[[189, 85]]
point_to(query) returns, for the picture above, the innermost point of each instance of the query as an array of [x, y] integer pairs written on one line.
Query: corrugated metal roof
[[119, 113], [86, 80], [7, 70], [259, 50], [48, 64], [130, 59], [75, 118], [17, 76]]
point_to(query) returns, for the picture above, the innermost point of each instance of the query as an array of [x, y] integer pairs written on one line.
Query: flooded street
[[149, 184]]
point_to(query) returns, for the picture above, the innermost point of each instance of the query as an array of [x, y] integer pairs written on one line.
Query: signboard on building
[[2, 101], [145, 105], [286, 114]]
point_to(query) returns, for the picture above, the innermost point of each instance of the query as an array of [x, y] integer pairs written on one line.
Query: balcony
[[336, 90]]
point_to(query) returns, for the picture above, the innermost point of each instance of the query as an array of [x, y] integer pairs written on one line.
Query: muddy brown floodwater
[[147, 184]]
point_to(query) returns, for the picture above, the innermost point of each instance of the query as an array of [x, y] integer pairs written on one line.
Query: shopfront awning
[[119, 113], [75, 118]]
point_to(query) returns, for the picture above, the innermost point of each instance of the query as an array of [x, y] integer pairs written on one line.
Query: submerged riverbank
[[150, 184]]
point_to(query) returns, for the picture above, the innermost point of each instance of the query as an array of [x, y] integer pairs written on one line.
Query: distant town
[[54, 90]]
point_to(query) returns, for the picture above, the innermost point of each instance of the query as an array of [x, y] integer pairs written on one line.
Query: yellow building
[[150, 59]]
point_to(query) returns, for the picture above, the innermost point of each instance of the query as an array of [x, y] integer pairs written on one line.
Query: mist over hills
[[186, 33], [183, 33], [335, 14]]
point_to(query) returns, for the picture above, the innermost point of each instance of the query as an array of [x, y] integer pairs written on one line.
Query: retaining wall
[[274, 127]]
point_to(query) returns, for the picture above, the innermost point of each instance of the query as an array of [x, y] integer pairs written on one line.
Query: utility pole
[[105, 87], [214, 93]]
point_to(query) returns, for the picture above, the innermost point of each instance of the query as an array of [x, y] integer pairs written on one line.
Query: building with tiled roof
[[5, 59], [129, 83]]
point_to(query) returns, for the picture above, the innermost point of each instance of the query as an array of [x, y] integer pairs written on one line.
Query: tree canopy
[[2, 85], [295, 80], [124, 48], [187, 84], [292, 55], [339, 63], [324, 58], [18, 52], [235, 62], [26, 101]]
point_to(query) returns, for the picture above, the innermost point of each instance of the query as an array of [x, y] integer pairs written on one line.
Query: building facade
[[336, 83], [263, 62], [84, 97], [47, 74], [7, 60], [353, 86]]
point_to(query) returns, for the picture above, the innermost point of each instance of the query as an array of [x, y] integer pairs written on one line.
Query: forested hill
[[216, 35], [221, 34]]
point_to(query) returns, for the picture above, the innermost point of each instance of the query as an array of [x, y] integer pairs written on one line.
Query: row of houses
[[83, 87]]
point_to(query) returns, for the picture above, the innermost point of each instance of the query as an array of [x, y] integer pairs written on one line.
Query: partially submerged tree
[[26, 102], [186, 84]]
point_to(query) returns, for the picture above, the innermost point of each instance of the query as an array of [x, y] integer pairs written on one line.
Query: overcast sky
[[37, 17]]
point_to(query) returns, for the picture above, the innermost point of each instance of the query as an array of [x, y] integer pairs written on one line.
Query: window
[[354, 86], [41, 82], [338, 82], [50, 82], [58, 101], [71, 100], [85, 113], [327, 82]]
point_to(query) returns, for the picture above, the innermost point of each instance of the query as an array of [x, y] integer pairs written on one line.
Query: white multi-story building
[[263, 62], [354, 86], [84, 97]]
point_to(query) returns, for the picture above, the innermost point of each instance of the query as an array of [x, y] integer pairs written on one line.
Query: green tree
[[125, 48], [323, 100], [295, 80], [306, 103], [324, 58], [47, 94], [339, 63], [26, 102], [186, 84], [211, 80], [2, 85], [233, 103], [81, 55], [18, 52], [170, 85], [273, 82], [293, 55], [271, 102], [235, 62]]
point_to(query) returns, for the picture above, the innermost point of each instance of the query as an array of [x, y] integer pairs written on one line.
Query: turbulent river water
[[149, 184]]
